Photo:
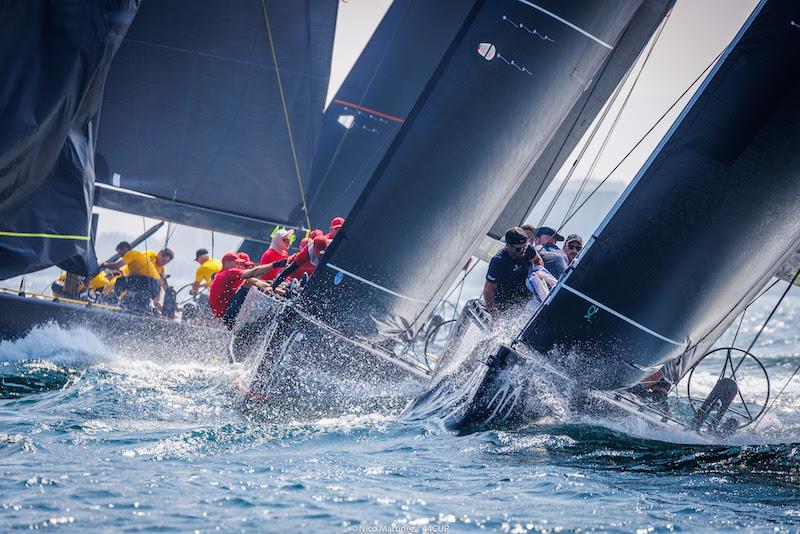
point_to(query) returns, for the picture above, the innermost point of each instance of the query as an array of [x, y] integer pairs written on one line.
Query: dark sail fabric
[[705, 224], [193, 112], [504, 87], [375, 98], [55, 58], [636, 36]]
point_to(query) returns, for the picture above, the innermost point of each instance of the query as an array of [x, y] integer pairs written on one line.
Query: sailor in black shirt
[[505, 279]]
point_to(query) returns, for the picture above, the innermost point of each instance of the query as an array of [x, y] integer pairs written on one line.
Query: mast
[[702, 228]]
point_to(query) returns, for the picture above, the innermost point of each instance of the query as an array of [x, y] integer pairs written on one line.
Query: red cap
[[315, 233], [230, 256], [320, 244], [244, 256], [337, 222]]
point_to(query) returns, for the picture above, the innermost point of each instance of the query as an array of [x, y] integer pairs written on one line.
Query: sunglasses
[[575, 246], [285, 240], [518, 248]]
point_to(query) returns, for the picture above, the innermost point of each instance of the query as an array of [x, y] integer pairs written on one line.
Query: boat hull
[[122, 332], [299, 367]]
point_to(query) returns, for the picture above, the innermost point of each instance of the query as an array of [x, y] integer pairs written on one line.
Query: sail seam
[[621, 316], [47, 236], [567, 23], [373, 284]]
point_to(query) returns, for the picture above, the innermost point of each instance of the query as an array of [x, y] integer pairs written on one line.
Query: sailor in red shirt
[[336, 225], [278, 250], [227, 292], [304, 262]]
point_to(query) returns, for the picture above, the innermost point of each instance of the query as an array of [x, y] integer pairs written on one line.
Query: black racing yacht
[[500, 95], [703, 228]]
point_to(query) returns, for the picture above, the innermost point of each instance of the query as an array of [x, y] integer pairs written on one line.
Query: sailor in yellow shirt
[[146, 274], [96, 283], [205, 272]]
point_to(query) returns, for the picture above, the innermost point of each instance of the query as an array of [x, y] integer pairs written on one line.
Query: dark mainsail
[[705, 224], [636, 36], [510, 78], [375, 98], [195, 116], [55, 58]]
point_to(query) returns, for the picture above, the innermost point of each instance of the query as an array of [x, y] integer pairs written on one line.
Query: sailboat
[[703, 227], [510, 96], [210, 116]]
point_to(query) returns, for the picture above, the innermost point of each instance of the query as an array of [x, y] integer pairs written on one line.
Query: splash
[[51, 343]]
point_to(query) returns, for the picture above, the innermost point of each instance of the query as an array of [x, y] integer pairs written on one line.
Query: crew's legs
[[229, 317]]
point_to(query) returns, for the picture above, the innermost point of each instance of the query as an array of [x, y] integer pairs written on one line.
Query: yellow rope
[[48, 236], [285, 112]]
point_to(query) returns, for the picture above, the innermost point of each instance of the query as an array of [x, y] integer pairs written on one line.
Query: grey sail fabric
[[194, 113], [704, 226], [55, 58], [508, 81], [375, 98], [372, 103], [636, 36]]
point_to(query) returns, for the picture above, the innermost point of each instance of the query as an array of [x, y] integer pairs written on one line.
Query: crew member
[[554, 258], [505, 280], [572, 247], [336, 225], [205, 272], [278, 250], [227, 293], [146, 273], [97, 283], [304, 262]]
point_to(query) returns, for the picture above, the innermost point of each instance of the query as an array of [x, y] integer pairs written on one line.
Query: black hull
[[121, 331], [299, 367]]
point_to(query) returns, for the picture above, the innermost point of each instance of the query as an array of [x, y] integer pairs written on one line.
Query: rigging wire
[[640, 141], [744, 311], [286, 113], [763, 415], [624, 158], [616, 121], [769, 318]]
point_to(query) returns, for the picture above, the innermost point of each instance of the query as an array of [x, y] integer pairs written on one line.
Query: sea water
[[97, 440]]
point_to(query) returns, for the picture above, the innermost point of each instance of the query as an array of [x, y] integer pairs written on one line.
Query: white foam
[[54, 344]]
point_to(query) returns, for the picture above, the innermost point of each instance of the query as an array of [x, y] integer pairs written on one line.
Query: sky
[[693, 36]]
